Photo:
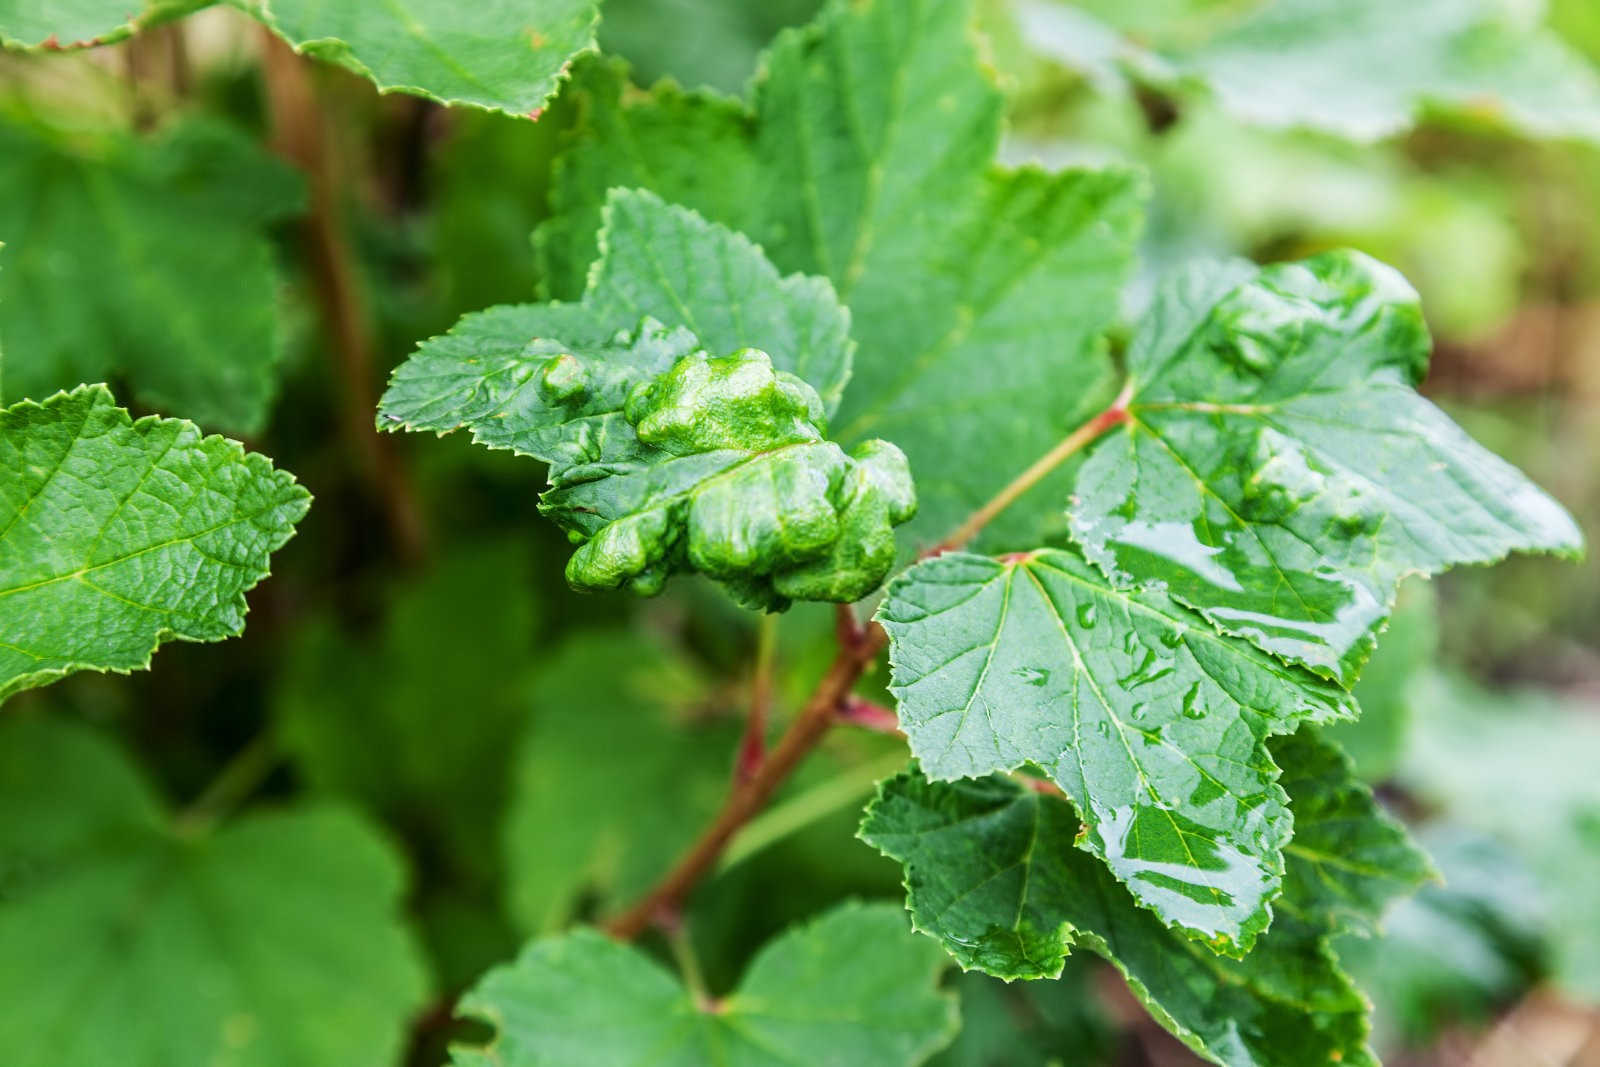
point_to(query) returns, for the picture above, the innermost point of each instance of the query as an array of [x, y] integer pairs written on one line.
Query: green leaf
[[1279, 472], [274, 942], [502, 55], [854, 988], [117, 535], [991, 873], [586, 812], [1454, 952], [1536, 754], [1364, 69], [667, 452], [1359, 69], [362, 717], [29, 25], [1032, 1024], [144, 261], [1152, 722], [977, 295]]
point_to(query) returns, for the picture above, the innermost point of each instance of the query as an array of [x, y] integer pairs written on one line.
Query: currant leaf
[[275, 941], [978, 295], [1152, 722], [29, 26], [104, 278], [993, 874], [854, 988], [666, 456], [1277, 469], [117, 535]]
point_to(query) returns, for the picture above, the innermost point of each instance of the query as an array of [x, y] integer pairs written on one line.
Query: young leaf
[[991, 872], [666, 456], [977, 295], [274, 942], [586, 811], [854, 989], [1279, 472], [116, 535], [1152, 722], [28, 25], [144, 260], [500, 55]]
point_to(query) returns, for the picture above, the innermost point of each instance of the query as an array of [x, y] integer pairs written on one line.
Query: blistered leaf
[[853, 989], [977, 295], [500, 55], [146, 261], [611, 730], [273, 942], [33, 26], [1152, 722], [116, 535], [677, 449], [992, 873], [1278, 470]]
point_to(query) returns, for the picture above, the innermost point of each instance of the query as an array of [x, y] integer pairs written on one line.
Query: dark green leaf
[[1153, 723], [144, 260], [117, 535], [852, 989], [992, 873], [1278, 470], [613, 730], [274, 942]]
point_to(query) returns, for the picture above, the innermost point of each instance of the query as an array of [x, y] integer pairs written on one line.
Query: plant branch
[[750, 796], [300, 135], [830, 702], [1073, 443], [753, 748]]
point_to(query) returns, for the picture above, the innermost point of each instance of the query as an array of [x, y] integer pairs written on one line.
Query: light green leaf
[[500, 55], [274, 942], [1278, 470], [1359, 69], [362, 717], [145, 261], [117, 535], [1364, 69], [1537, 752], [977, 295], [852, 989], [30, 25], [991, 873], [677, 449], [1152, 722], [613, 730]]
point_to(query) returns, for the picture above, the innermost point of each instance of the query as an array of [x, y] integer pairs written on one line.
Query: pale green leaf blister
[[678, 446], [1152, 722], [854, 988], [864, 154], [117, 535]]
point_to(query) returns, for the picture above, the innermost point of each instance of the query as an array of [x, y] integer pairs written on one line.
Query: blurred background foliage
[[540, 756]]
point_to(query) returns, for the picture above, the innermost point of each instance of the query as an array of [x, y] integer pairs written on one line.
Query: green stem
[[241, 776], [677, 935], [803, 809]]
